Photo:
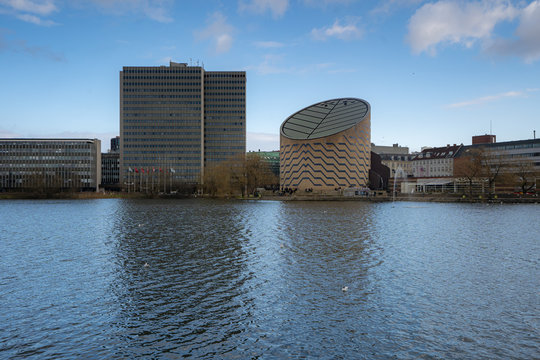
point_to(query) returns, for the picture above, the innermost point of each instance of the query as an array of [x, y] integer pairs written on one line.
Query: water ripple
[[261, 279]]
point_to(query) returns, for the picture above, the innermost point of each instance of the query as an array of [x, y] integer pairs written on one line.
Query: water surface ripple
[[168, 279]]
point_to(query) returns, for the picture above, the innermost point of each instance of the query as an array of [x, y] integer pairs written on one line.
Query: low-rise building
[[509, 162], [434, 162], [396, 157], [57, 164]]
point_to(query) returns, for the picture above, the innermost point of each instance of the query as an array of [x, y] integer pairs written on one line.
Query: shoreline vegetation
[[437, 197]]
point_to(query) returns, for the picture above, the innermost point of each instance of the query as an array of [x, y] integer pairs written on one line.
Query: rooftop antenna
[[534, 134]]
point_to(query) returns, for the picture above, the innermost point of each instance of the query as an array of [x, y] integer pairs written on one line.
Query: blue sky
[[435, 73]]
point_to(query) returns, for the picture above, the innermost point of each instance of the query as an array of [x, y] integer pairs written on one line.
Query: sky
[[434, 72]]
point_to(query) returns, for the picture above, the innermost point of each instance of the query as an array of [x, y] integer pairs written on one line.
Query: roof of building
[[506, 145], [325, 118], [437, 153], [395, 149], [48, 139]]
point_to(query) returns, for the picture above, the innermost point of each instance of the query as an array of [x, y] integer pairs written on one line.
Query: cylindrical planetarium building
[[326, 146]]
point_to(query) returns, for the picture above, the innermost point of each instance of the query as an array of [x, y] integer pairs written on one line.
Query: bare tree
[[493, 167], [225, 178], [470, 167], [258, 173], [525, 175]]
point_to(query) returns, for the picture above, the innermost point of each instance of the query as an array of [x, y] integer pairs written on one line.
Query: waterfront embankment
[[381, 197]]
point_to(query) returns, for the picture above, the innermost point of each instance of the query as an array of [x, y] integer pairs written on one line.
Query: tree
[[470, 167], [225, 178], [258, 173], [492, 167], [525, 174]]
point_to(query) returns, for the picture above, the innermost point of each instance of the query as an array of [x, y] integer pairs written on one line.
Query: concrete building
[[180, 119], [511, 156], [379, 173], [110, 171], [43, 164], [435, 162], [326, 146], [437, 169], [115, 144], [396, 157], [110, 166]]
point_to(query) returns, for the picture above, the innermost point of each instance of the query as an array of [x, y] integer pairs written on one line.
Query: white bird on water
[[146, 264], [345, 288]]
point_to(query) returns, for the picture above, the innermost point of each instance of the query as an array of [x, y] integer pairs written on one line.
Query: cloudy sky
[[434, 72]]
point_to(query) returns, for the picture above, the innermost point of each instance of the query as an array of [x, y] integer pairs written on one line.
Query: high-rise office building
[[115, 144], [180, 119]]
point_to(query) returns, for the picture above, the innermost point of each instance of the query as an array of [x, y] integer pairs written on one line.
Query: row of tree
[[498, 173], [239, 176], [45, 183]]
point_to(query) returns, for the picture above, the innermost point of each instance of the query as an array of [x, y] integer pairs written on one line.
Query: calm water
[[264, 280]]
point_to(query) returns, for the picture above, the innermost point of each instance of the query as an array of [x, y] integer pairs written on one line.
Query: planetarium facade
[[326, 146]]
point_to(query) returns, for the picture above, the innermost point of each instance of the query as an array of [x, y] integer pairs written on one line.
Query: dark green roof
[[325, 118]]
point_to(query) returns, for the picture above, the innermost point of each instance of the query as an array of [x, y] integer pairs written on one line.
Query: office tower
[[115, 144], [179, 119]]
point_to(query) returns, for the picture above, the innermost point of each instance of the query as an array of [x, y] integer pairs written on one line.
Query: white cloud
[[219, 31], [269, 44], [223, 43], [276, 7], [262, 141], [454, 22], [270, 65], [491, 98], [344, 32], [21, 46], [158, 10], [390, 6], [40, 7], [273, 64], [324, 3], [526, 43], [35, 20], [31, 11], [8, 134]]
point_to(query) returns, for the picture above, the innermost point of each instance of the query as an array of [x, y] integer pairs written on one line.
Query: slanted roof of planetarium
[[325, 118]]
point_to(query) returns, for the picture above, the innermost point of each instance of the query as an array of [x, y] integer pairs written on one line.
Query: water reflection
[[237, 279]]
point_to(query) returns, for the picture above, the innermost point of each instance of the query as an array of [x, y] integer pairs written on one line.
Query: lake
[[170, 279]]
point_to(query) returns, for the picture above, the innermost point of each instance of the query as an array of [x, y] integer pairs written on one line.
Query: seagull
[[146, 264], [345, 288]]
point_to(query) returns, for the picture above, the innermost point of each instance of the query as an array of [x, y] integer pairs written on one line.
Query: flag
[[130, 169], [136, 170], [172, 170]]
